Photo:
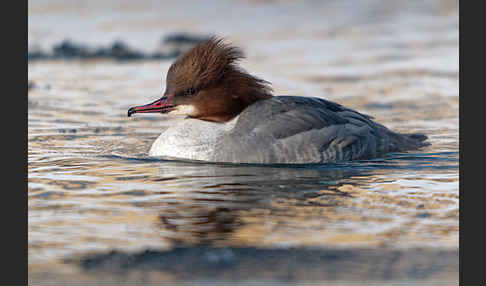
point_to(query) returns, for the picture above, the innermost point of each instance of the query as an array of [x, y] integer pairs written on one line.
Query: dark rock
[[184, 39], [178, 43], [37, 55], [121, 51], [67, 49], [174, 45]]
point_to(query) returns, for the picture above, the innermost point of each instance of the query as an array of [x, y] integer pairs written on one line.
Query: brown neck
[[247, 88], [237, 91]]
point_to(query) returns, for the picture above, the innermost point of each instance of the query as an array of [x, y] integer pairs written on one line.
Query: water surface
[[91, 186]]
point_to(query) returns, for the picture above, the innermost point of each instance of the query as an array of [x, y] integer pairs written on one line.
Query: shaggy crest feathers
[[207, 63]]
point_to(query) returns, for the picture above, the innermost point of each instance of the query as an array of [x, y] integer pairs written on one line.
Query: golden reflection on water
[[91, 186], [94, 201]]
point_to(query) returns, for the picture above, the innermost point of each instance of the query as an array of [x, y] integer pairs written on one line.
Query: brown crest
[[223, 88]]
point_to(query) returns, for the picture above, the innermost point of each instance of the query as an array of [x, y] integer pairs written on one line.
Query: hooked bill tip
[[131, 111]]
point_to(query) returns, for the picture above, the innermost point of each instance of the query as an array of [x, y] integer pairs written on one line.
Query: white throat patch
[[188, 110]]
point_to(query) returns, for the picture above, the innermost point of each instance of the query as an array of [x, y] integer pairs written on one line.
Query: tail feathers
[[417, 139]]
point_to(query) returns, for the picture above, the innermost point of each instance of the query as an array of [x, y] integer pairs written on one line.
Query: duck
[[231, 116]]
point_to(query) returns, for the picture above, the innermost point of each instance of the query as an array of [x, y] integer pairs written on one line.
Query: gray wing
[[292, 129]]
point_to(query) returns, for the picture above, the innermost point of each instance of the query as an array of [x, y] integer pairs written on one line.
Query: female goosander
[[232, 116]]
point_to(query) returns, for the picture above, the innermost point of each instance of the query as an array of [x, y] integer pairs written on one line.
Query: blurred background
[[311, 40], [93, 190]]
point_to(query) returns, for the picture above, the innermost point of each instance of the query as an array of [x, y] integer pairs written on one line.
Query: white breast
[[191, 139]]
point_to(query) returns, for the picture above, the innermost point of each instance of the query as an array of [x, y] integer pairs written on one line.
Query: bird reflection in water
[[208, 202]]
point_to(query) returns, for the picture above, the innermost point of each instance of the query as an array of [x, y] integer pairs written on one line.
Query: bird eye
[[191, 91]]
